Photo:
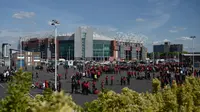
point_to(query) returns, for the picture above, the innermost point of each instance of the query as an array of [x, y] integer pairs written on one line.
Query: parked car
[[39, 67], [50, 69]]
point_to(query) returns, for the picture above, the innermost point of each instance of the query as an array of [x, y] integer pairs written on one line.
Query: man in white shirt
[[43, 85]]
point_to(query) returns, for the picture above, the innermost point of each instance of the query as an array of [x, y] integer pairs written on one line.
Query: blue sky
[[159, 20]]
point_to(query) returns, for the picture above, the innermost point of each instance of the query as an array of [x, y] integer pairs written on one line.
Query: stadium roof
[[101, 37], [191, 54]]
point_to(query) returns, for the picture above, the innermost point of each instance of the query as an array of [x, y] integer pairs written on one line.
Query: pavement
[[136, 85]]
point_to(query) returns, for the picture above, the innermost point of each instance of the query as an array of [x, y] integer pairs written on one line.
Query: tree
[[54, 102], [17, 99], [185, 52], [183, 98], [177, 98]]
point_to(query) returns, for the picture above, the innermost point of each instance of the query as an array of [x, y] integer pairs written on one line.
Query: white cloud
[[139, 20], [176, 29], [157, 42], [104, 29], [112, 29], [184, 38], [12, 35], [182, 28], [158, 15], [158, 19], [160, 42], [173, 31], [166, 40], [23, 15]]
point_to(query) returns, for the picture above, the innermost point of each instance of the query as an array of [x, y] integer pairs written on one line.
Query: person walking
[[66, 74], [128, 80], [102, 85], [73, 84], [106, 80], [37, 75], [111, 80]]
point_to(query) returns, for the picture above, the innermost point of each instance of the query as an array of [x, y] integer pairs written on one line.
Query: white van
[[61, 61], [70, 63]]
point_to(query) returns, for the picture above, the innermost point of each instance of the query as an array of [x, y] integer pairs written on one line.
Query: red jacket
[[96, 92], [93, 83], [98, 73], [46, 84], [112, 77], [124, 78], [79, 82]]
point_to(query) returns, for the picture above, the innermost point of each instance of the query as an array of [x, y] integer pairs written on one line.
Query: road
[[137, 85]]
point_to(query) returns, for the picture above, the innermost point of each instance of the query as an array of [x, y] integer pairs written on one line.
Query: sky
[[156, 20]]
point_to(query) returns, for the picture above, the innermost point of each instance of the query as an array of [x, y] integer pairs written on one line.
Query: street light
[[153, 55], [55, 23], [20, 52], [193, 37], [9, 45]]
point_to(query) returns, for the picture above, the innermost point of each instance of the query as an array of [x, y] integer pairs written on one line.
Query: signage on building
[[138, 49], [127, 48], [20, 57], [36, 58]]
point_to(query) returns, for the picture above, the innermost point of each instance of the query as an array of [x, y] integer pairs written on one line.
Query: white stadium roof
[[101, 37], [191, 54]]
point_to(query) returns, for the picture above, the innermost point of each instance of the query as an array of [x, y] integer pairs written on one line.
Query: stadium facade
[[85, 44]]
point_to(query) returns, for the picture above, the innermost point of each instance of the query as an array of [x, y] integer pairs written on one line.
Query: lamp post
[[103, 53], [193, 37], [20, 40], [69, 53], [9, 46], [153, 54], [55, 23]]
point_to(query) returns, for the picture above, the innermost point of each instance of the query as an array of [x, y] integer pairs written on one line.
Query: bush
[[17, 98], [56, 102], [182, 98]]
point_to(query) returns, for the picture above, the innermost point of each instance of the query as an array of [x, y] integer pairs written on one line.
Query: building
[[144, 53], [189, 57], [176, 48], [27, 58], [6, 53], [40, 45], [167, 47], [85, 44]]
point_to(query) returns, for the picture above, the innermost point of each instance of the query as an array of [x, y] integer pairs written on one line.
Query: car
[[39, 67], [50, 69]]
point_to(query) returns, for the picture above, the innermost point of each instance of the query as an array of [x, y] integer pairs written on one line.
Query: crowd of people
[[166, 73], [93, 79], [6, 74]]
